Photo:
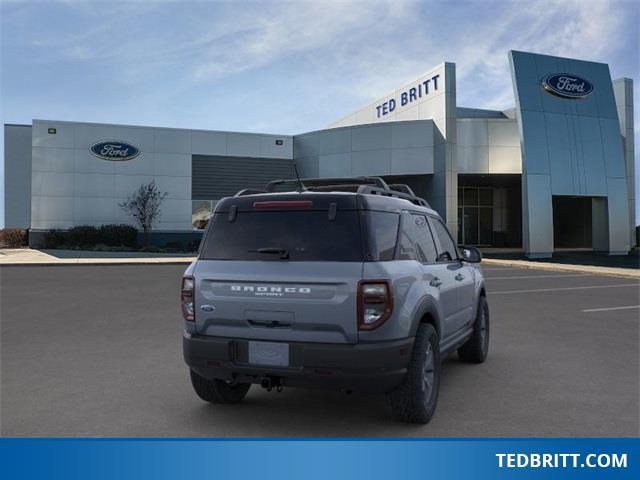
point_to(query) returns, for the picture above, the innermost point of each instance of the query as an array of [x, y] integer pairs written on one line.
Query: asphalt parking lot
[[96, 351]]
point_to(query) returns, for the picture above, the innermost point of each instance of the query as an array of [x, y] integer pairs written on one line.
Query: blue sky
[[280, 67]]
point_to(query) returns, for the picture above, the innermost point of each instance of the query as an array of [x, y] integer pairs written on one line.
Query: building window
[[201, 211]]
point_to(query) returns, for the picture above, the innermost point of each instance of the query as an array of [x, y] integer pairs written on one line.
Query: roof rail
[[327, 182], [402, 187], [248, 191], [393, 193], [365, 185]]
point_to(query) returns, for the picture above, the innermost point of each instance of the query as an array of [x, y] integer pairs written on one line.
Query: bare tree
[[144, 206]]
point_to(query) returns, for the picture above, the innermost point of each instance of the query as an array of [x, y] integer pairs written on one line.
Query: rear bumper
[[371, 367]]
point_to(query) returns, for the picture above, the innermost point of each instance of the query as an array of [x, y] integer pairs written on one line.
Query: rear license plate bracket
[[269, 353]]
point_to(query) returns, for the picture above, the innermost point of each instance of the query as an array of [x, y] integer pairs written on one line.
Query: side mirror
[[471, 255]]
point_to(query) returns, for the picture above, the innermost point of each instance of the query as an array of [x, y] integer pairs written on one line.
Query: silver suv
[[349, 284]]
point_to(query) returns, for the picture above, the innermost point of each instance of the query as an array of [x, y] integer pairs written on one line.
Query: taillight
[[375, 303], [186, 298]]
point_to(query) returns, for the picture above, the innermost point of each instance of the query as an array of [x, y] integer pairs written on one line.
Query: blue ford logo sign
[[567, 85], [114, 150]]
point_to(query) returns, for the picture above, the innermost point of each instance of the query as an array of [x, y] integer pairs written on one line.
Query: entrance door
[[572, 222], [475, 214]]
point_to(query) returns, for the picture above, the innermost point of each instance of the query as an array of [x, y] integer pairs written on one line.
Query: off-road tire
[[476, 348], [218, 391], [413, 401]]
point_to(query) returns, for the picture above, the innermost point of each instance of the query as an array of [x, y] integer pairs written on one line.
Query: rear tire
[[476, 348], [415, 400], [218, 391]]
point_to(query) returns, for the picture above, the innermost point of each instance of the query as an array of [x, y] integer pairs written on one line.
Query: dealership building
[[556, 171]]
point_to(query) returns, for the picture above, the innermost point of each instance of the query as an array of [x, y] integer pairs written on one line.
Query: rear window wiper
[[283, 252]]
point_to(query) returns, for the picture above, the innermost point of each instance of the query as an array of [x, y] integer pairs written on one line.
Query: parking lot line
[[608, 309], [522, 277], [557, 289]]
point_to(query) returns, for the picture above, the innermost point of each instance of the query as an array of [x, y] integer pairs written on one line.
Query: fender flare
[[426, 306]]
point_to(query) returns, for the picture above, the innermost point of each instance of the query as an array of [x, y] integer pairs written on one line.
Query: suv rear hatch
[[281, 267]]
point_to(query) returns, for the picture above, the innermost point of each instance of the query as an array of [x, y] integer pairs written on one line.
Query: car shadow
[[313, 413]]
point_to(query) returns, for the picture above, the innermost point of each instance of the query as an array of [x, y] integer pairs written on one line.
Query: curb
[[560, 267], [103, 263]]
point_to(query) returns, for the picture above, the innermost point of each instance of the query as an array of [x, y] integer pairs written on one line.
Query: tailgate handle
[[269, 323]]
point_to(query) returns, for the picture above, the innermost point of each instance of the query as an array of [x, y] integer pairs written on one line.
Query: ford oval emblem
[[567, 85], [114, 150]]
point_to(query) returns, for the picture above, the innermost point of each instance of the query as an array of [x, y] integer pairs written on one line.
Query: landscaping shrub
[[52, 239], [12, 238], [109, 235], [193, 246], [174, 246], [153, 249], [116, 235], [83, 235], [101, 247]]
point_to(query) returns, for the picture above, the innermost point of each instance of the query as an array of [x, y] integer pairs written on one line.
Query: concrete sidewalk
[[563, 267], [26, 256]]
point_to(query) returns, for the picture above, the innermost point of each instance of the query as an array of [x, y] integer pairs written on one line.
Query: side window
[[416, 242], [383, 231], [446, 242]]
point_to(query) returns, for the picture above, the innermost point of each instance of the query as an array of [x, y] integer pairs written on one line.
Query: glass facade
[[475, 216]]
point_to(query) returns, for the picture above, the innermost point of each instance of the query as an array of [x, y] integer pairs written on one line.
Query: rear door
[[463, 275], [417, 243], [280, 274]]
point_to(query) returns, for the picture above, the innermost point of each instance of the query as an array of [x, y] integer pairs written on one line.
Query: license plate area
[[269, 353]]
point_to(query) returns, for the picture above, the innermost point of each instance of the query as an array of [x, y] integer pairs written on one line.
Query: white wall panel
[[267, 147], [472, 159], [168, 140], [125, 185], [52, 160], [93, 185], [411, 160], [173, 164], [505, 160], [373, 162], [84, 162], [63, 138], [56, 211], [209, 143], [411, 134], [53, 184], [243, 145], [93, 210], [473, 132], [503, 133], [175, 187], [335, 165]]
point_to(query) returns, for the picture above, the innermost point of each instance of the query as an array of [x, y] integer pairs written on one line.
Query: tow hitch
[[269, 383]]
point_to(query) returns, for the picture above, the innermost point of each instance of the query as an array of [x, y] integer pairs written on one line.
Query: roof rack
[[402, 187], [393, 193], [248, 191], [309, 183], [364, 185]]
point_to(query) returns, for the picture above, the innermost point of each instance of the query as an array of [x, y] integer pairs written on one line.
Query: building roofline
[[97, 124], [361, 125]]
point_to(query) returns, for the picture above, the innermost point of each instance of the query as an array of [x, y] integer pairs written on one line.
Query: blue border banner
[[319, 459]]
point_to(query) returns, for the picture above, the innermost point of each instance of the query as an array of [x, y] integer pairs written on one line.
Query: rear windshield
[[284, 235]]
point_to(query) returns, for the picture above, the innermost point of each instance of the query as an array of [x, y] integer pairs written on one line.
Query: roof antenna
[[300, 184]]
